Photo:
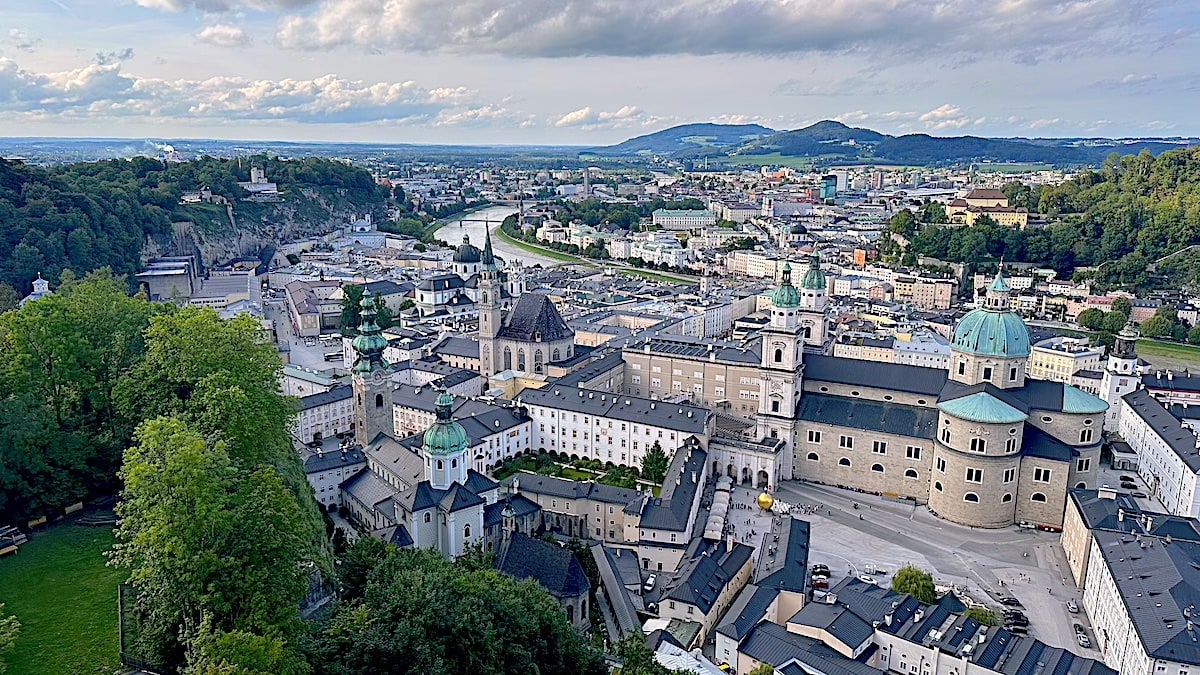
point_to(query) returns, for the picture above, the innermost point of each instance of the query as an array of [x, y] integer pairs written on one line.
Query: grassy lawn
[[1169, 354], [575, 474], [66, 600], [548, 252]]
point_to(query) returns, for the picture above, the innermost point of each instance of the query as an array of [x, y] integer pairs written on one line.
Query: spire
[[443, 404], [370, 343], [786, 296], [488, 258], [814, 278]]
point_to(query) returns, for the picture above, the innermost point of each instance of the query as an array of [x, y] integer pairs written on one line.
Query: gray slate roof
[[868, 415], [457, 346], [773, 644], [553, 567], [1166, 425], [325, 461], [682, 417], [535, 318], [706, 575], [788, 571], [341, 392], [1038, 443], [747, 610], [551, 486], [1176, 382], [909, 379], [673, 507], [838, 621]]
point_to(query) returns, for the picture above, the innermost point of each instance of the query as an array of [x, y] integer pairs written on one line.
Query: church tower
[[371, 377], [782, 355], [445, 447], [1120, 373], [489, 310], [814, 297]]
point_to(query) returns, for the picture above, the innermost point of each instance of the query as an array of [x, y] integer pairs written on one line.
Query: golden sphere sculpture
[[765, 501]]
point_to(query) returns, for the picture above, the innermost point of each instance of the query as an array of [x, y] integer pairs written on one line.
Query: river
[[473, 225]]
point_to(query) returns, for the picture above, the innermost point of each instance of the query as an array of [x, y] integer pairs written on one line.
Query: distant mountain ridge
[[833, 142]]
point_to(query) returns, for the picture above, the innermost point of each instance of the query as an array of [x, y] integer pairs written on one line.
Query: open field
[[66, 600], [773, 159], [1169, 354]]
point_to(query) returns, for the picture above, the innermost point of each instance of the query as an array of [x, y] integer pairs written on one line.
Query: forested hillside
[[99, 214], [1131, 212]]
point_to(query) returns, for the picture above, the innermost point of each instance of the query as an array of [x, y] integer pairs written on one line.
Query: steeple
[[488, 258], [444, 446], [814, 278], [369, 344], [786, 296]]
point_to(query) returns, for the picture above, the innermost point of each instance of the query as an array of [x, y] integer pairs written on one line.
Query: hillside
[[835, 143], [685, 139], [107, 214]]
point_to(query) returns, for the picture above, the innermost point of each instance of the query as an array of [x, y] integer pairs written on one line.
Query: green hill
[[686, 139]]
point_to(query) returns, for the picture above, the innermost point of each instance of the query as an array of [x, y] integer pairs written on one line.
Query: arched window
[[467, 531], [507, 358], [556, 354], [440, 465], [454, 464], [378, 400], [910, 473], [937, 485], [845, 461], [1081, 486], [971, 497], [1038, 497], [1085, 436], [877, 468], [778, 355], [570, 614], [521, 359], [1006, 498], [812, 456], [428, 518], [537, 361]]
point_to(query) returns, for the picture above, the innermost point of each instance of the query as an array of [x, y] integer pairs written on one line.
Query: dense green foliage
[[1122, 217], [915, 582], [984, 616], [594, 212], [654, 463], [637, 659], [90, 215], [420, 613], [10, 628]]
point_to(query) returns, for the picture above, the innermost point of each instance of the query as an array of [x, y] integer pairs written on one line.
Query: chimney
[[918, 615]]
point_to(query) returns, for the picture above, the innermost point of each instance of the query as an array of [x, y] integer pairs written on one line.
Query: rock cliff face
[[221, 232]]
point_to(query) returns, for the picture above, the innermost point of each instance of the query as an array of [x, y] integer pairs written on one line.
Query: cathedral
[[981, 445], [426, 498]]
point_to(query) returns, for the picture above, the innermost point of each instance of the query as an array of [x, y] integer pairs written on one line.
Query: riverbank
[[442, 222]]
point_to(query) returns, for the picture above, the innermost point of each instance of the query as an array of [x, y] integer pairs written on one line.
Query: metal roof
[[867, 415], [982, 407], [897, 377]]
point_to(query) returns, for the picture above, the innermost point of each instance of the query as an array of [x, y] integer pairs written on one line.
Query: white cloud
[[224, 35], [623, 117], [945, 116], [224, 5], [102, 89], [1026, 29], [20, 40], [1043, 123], [577, 118]]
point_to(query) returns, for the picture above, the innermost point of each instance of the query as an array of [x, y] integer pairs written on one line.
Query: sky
[[591, 72]]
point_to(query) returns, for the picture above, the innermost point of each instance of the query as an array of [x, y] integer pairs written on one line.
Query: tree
[[763, 669], [915, 582], [903, 224], [1114, 321], [385, 317], [654, 463], [422, 613], [10, 628], [637, 659], [984, 616], [934, 213], [363, 556], [9, 297], [1123, 305], [351, 309], [1091, 319], [1193, 336], [242, 653], [1156, 326]]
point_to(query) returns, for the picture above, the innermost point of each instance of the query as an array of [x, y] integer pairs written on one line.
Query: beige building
[[1057, 359]]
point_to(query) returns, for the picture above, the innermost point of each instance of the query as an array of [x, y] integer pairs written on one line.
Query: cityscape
[[679, 352]]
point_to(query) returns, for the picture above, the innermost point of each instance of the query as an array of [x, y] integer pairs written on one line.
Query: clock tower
[[780, 377], [490, 318], [371, 376]]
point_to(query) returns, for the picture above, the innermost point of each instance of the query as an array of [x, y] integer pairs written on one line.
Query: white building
[[325, 414], [1167, 457], [683, 219]]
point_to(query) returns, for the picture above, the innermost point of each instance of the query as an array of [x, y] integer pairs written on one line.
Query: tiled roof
[[535, 318], [898, 377], [1166, 426], [705, 576], [867, 415], [553, 567], [339, 393]]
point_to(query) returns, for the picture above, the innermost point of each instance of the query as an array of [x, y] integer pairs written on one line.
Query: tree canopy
[[915, 582]]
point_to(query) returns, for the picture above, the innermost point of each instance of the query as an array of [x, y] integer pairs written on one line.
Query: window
[[814, 436], [774, 406], [937, 485], [987, 373], [1038, 497], [1010, 445], [962, 367], [1041, 475], [1083, 464], [378, 400], [440, 465], [1010, 475], [978, 445], [913, 452], [846, 441], [946, 436], [778, 355], [877, 468], [467, 531], [845, 461], [910, 473], [971, 497], [879, 447], [940, 464], [1012, 374], [428, 518], [812, 457], [1006, 498], [974, 475], [1085, 436]]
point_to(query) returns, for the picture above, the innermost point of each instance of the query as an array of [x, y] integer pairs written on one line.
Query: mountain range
[[832, 142]]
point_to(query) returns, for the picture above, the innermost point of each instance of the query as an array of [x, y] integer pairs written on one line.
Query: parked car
[[1072, 607], [650, 581], [1128, 479], [1079, 630], [820, 568], [866, 578], [1017, 621], [879, 571], [1011, 602], [1018, 630], [1139, 494], [1083, 640], [820, 582], [1128, 486]]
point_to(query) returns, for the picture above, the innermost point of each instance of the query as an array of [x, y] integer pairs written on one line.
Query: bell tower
[[813, 299], [489, 310], [782, 355], [1120, 373], [371, 378]]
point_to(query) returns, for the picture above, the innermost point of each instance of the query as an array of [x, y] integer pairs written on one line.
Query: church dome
[[446, 436], [466, 253], [369, 344], [786, 295], [994, 329], [799, 229], [814, 278]]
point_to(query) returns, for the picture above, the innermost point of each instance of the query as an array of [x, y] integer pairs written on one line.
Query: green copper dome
[[445, 437], [1079, 402], [814, 278], [994, 329], [786, 296], [982, 407], [369, 344]]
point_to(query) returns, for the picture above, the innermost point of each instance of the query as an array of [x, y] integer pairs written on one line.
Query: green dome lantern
[[994, 329], [786, 296], [445, 437], [814, 278], [369, 344]]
